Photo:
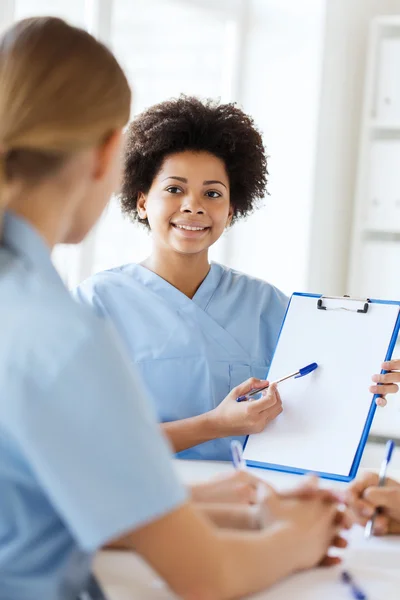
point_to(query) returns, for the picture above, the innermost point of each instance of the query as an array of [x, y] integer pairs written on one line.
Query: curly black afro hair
[[187, 123]]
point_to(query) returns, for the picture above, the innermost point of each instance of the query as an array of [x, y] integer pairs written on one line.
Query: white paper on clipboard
[[325, 413]]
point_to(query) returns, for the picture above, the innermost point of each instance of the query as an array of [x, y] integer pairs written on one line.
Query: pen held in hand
[[369, 528], [261, 492], [296, 375]]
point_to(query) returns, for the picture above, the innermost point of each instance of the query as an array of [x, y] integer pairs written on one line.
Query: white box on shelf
[[377, 194], [388, 80], [383, 186], [387, 420], [379, 269]]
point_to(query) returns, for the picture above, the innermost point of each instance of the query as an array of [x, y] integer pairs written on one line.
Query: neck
[[186, 272], [47, 225], [43, 212]]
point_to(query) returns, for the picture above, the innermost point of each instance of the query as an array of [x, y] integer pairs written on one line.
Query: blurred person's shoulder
[[115, 277], [41, 325]]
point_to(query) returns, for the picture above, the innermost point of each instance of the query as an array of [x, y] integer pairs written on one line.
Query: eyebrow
[[214, 181], [184, 180]]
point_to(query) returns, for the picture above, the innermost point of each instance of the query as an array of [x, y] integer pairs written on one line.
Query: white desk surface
[[374, 564]]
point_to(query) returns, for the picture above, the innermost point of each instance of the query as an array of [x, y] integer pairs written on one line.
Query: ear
[[141, 206], [107, 152], [230, 216]]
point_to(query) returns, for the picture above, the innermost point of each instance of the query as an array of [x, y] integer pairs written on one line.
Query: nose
[[191, 205]]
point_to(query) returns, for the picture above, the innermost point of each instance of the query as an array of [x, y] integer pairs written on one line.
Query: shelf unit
[[374, 269], [375, 248]]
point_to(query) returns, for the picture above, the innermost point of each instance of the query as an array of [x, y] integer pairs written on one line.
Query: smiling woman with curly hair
[[194, 329], [175, 126]]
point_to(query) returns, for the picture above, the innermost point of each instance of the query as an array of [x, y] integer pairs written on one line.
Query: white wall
[[6, 13], [281, 89], [346, 34]]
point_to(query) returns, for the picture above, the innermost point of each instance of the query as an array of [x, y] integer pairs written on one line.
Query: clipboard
[[326, 415]]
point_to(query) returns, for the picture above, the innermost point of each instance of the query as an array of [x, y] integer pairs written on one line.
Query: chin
[[190, 249], [75, 237]]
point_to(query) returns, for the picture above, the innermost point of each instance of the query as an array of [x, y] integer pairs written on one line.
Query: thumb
[[386, 497], [248, 385]]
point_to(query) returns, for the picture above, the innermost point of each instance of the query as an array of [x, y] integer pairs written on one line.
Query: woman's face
[[188, 204]]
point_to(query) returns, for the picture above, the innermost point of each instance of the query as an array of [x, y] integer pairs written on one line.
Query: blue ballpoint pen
[[240, 465], [356, 592], [369, 528], [297, 374], [237, 456]]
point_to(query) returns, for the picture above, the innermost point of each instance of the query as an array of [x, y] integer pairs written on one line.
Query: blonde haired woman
[[82, 462]]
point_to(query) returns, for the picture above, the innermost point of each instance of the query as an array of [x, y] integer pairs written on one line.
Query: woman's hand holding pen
[[244, 418], [364, 496]]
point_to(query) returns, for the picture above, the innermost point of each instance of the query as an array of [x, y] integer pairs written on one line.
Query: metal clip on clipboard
[[360, 305]]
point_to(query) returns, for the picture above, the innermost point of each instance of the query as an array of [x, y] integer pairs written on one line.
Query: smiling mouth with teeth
[[189, 228]]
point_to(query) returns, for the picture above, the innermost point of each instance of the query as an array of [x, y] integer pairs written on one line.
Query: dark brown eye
[[213, 194]]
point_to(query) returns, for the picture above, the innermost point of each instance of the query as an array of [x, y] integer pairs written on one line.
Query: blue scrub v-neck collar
[[24, 241], [202, 296]]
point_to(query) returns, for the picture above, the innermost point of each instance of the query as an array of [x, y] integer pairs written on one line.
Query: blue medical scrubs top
[[81, 457], [191, 352]]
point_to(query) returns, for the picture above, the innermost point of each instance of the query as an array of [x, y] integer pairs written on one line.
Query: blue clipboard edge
[[369, 419]]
